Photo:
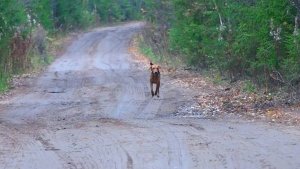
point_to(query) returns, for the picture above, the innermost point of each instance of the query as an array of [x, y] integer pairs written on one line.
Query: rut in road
[[92, 109]]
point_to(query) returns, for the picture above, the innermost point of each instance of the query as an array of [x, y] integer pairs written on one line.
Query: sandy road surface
[[92, 109]]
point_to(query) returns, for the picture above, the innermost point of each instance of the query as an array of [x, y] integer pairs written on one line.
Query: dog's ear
[[151, 63]]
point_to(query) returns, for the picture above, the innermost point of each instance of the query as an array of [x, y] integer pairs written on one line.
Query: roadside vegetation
[[30, 29], [256, 41]]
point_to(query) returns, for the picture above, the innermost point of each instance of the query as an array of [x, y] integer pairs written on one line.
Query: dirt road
[[92, 109]]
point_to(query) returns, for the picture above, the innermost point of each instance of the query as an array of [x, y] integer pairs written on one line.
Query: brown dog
[[154, 78]]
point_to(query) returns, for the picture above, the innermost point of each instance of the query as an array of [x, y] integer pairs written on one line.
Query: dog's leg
[[151, 86], [157, 89]]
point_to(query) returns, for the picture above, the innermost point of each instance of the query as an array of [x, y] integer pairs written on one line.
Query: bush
[[250, 39]]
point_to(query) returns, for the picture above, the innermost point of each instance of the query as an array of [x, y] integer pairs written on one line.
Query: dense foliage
[[13, 20], [258, 39]]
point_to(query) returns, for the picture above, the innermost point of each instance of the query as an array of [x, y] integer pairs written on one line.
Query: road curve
[[92, 109]]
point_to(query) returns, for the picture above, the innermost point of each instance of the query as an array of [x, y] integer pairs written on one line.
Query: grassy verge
[[157, 57], [38, 61], [147, 51], [3, 84]]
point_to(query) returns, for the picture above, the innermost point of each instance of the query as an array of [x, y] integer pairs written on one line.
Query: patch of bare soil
[[226, 101]]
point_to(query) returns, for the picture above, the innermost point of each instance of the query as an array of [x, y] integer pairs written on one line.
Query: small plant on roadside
[[3, 84], [249, 87], [217, 78]]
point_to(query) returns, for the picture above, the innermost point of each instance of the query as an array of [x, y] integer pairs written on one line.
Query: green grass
[[3, 84], [217, 79], [37, 62], [146, 50], [249, 87]]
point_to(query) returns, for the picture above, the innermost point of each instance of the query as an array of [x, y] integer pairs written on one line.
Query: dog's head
[[154, 68]]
